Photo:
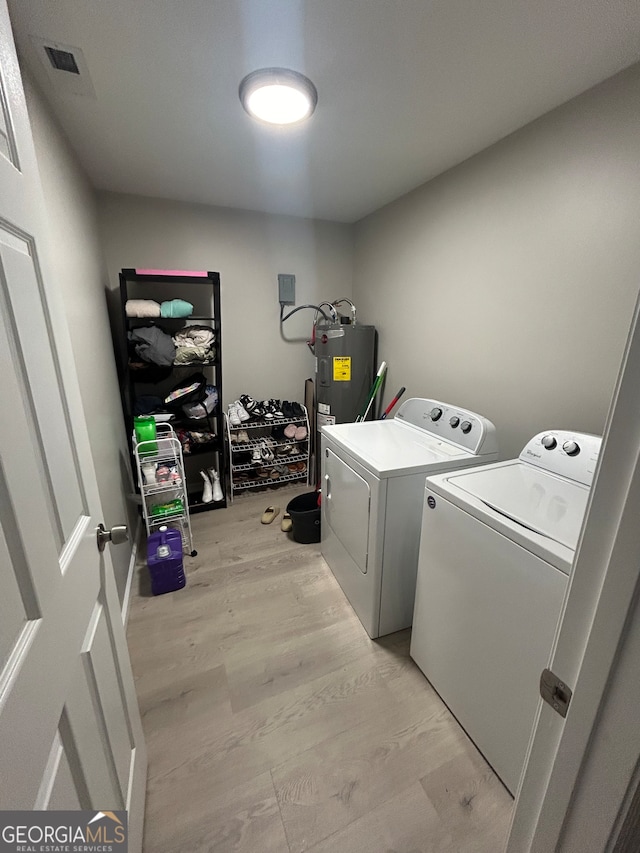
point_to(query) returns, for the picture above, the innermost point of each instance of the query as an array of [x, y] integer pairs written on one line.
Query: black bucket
[[305, 518]]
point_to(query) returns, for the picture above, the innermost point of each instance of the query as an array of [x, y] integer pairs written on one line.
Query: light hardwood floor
[[275, 725]]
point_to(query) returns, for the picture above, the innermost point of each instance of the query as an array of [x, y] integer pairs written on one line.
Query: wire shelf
[[257, 432]]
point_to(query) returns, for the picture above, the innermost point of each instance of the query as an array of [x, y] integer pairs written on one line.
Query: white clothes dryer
[[496, 555], [373, 476]]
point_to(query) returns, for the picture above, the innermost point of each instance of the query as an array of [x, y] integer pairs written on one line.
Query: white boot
[[207, 494], [217, 489]]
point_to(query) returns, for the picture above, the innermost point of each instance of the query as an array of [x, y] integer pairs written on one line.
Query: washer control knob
[[571, 448], [435, 414], [549, 442], [466, 427], [454, 421]]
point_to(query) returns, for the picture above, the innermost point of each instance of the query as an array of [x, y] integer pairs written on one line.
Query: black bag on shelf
[[146, 404], [191, 390]]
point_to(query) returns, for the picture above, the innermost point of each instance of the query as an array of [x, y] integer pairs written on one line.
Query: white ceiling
[[406, 88]]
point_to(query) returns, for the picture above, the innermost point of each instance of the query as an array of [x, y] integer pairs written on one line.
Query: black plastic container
[[305, 518]]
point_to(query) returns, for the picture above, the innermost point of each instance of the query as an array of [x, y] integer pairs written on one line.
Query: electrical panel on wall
[[286, 289]]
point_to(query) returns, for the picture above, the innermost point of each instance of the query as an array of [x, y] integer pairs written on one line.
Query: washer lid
[[390, 448], [545, 503]]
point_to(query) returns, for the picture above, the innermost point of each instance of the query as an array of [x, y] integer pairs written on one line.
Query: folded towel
[[176, 308], [142, 308]]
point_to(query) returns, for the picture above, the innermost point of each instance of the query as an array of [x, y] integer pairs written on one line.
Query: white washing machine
[[373, 476], [496, 554]]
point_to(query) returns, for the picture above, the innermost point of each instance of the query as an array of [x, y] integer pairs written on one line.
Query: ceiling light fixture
[[278, 95]]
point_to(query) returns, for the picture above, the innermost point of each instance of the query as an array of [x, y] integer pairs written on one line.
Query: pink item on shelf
[[186, 273], [141, 308]]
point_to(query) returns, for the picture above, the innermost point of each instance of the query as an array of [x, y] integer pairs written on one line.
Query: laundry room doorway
[[70, 730], [580, 789]]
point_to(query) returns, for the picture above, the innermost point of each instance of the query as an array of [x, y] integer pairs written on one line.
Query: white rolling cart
[[160, 468]]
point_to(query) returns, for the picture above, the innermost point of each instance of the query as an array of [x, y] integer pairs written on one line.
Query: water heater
[[345, 370]]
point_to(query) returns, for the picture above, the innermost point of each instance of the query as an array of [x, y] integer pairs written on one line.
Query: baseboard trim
[[130, 575]]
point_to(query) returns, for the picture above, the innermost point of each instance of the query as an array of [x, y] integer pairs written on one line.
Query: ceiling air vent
[[62, 60], [65, 66]]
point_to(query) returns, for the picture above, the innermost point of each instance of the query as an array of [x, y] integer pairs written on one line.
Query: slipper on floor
[[269, 514], [286, 524]]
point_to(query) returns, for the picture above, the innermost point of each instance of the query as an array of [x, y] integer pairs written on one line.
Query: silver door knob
[[117, 535]]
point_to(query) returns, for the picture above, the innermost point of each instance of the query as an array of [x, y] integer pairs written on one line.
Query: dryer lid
[[545, 503], [391, 449]]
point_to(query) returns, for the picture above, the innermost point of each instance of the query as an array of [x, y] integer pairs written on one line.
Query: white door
[[70, 732], [581, 772]]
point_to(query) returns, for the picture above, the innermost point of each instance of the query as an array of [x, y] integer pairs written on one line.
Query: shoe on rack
[[284, 449], [243, 437], [269, 410], [207, 492], [234, 417], [216, 491], [257, 413], [301, 433], [266, 454], [277, 432], [290, 431], [248, 402], [256, 456], [276, 408], [298, 411], [286, 410], [243, 414]]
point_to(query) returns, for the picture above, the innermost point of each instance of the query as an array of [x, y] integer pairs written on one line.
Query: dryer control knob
[[549, 442], [454, 421], [435, 414], [466, 427], [571, 448]]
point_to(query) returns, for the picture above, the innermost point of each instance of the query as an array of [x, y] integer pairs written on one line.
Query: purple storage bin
[[164, 558]]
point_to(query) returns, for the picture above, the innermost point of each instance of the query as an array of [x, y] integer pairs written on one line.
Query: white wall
[[76, 263], [507, 284], [248, 250]]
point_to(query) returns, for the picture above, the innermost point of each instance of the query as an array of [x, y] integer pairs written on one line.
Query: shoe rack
[[290, 462]]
